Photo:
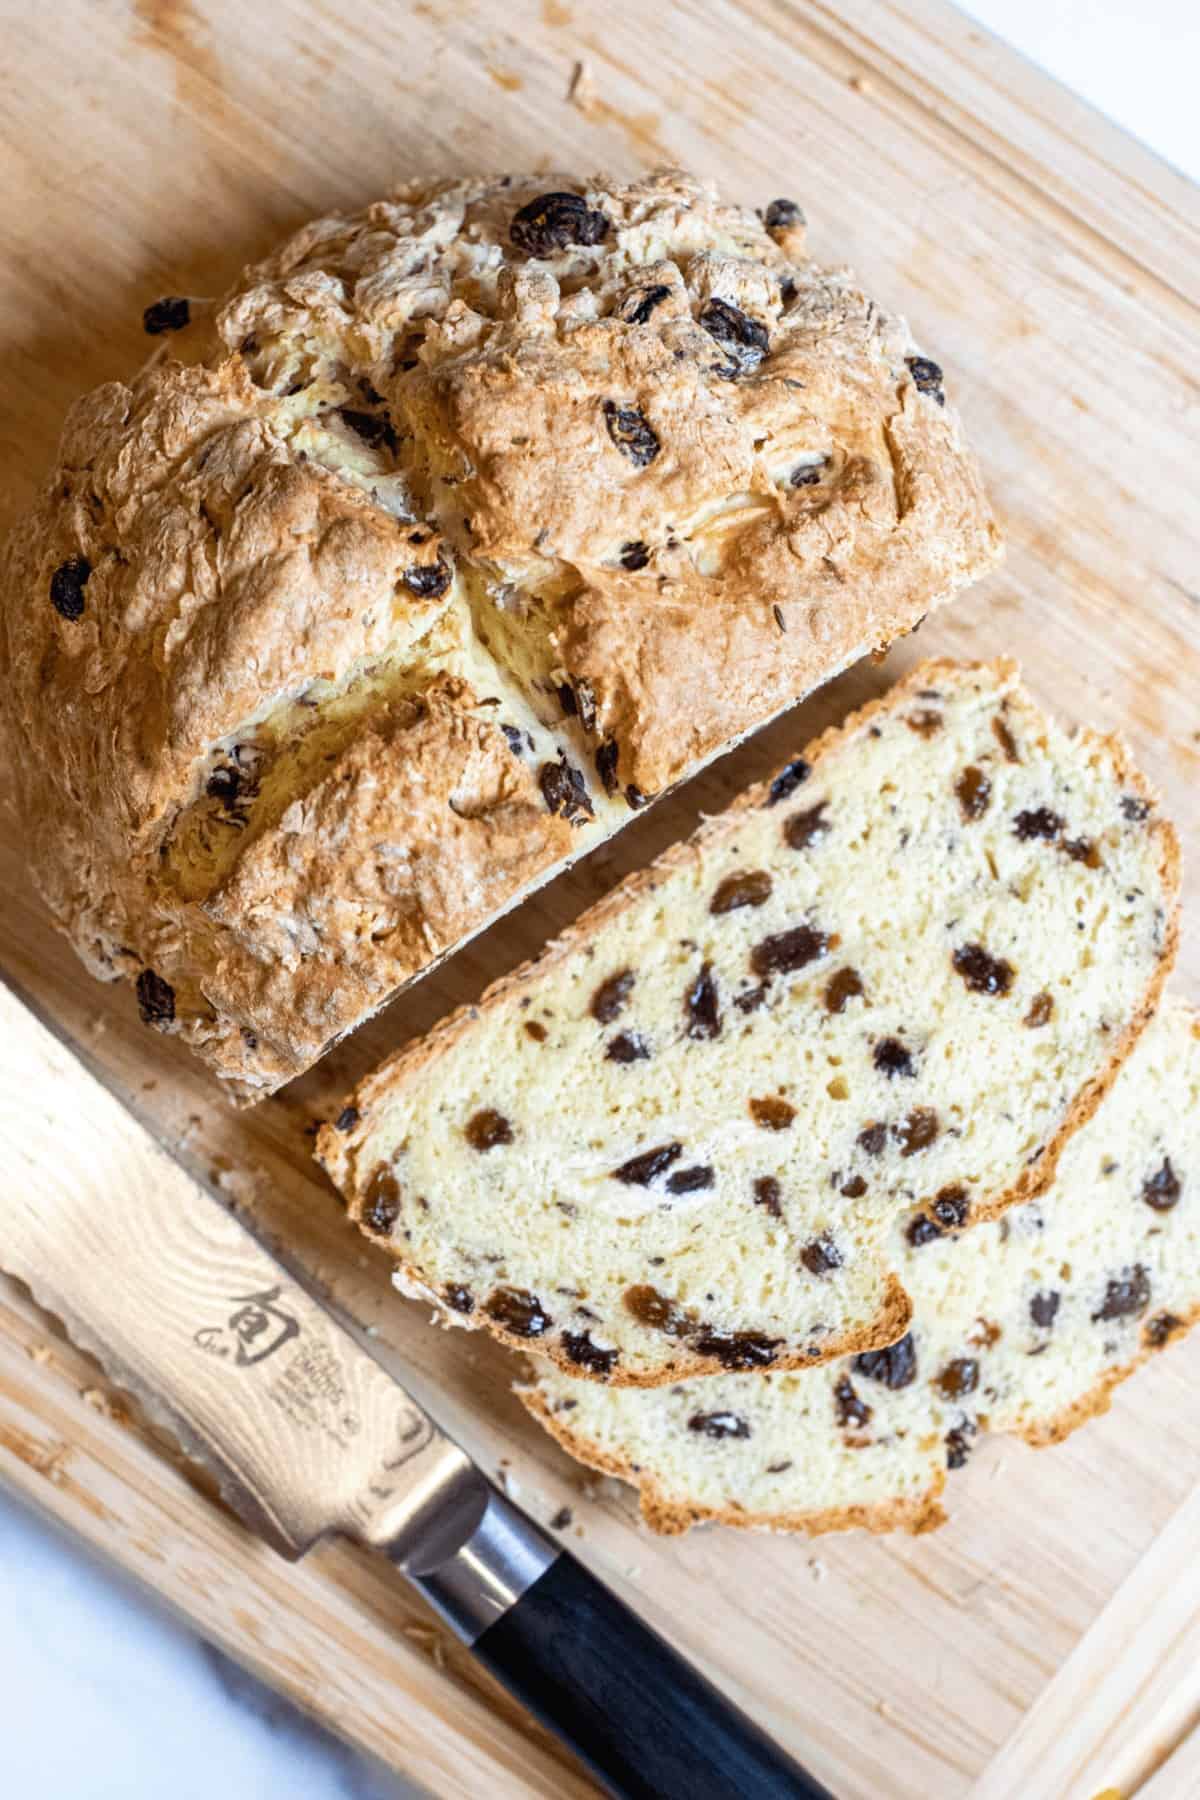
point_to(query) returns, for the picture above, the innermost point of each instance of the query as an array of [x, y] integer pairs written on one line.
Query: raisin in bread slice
[[900, 974], [1023, 1324], [461, 527]]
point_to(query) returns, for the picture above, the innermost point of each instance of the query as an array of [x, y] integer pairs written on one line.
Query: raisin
[[428, 581], [515, 739], [634, 797], [66, 587], [627, 1047], [372, 428], [844, 986], [781, 215], [789, 778], [562, 1519], [488, 1128], [974, 792], [632, 433], [171, 313], [917, 1130], [893, 1058], [1162, 1189], [1040, 1009], [854, 1189], [851, 1410], [702, 1007], [951, 1207], [553, 221], [636, 307], [1127, 1295], [606, 765], [1161, 1327], [225, 784], [958, 1378], [1043, 1308], [751, 998], [690, 1181], [739, 1350], [1083, 850], [719, 1425], [744, 340], [896, 1366], [806, 475], [872, 1138], [772, 1113], [788, 951], [768, 1194], [610, 997], [1038, 822], [518, 1311], [983, 973], [804, 828], [752, 888], [642, 1169], [651, 1308], [381, 1204], [459, 1298], [347, 1119], [925, 721], [535, 1030], [927, 377], [155, 998], [634, 556], [564, 790], [579, 1348], [1005, 738], [958, 1448], [1134, 808], [821, 1256], [566, 699], [921, 1231]]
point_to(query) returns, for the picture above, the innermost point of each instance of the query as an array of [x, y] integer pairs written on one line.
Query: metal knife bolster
[[471, 1553]]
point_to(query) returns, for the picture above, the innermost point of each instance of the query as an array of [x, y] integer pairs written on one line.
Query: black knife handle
[[647, 1724]]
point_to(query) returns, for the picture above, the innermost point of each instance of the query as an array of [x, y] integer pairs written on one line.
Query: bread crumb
[[817, 1569], [562, 1518], [860, 84], [95, 1398], [581, 90], [38, 1353]]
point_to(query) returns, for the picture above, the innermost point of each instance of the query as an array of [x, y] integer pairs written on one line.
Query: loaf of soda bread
[[461, 528], [1023, 1324], [899, 975]]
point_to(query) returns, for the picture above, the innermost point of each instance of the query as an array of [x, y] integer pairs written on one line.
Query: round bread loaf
[[461, 528], [1022, 1325], [899, 974]]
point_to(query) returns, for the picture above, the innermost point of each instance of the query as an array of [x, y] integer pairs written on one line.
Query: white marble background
[[151, 1710]]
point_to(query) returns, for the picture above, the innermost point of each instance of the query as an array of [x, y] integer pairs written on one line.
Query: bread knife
[[308, 1436]]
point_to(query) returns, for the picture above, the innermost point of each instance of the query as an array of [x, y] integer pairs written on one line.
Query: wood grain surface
[[1052, 266]]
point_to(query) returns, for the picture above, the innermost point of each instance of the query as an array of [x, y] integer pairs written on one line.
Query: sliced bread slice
[[1023, 1325], [898, 975]]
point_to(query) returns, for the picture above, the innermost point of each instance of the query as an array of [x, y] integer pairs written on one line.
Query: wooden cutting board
[[1052, 265]]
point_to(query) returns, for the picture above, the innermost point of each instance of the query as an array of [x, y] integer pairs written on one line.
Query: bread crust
[[264, 512], [337, 1150]]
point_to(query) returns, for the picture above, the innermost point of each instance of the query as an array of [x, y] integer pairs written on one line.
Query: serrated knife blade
[[310, 1436]]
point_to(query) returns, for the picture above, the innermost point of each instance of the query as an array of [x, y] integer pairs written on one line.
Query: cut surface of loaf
[[898, 975], [1022, 1324], [461, 528]]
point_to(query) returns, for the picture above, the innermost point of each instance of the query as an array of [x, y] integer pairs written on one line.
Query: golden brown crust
[[264, 516], [1098, 1400], [670, 1517]]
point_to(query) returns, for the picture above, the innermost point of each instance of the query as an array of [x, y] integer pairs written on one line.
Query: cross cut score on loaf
[[897, 977], [460, 529]]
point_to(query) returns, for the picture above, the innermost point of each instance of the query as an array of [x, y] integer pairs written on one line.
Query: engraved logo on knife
[[255, 1331]]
